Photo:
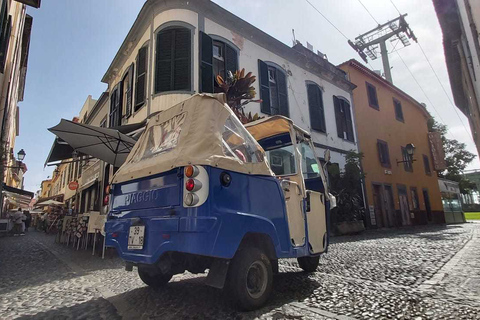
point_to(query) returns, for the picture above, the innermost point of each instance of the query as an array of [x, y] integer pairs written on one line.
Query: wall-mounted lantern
[[410, 150]]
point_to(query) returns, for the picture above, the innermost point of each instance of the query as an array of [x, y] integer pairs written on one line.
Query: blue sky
[[74, 42]]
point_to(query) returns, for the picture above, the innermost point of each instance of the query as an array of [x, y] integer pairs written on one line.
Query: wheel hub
[[256, 279]]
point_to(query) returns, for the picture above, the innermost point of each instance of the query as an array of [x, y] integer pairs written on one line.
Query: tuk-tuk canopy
[[201, 130], [272, 126]]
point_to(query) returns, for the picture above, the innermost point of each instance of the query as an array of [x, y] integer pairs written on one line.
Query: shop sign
[[73, 185], [438, 153]]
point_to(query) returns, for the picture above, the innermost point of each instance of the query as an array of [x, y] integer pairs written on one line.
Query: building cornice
[[208, 9]]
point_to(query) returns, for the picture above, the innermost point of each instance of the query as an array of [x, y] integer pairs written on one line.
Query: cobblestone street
[[416, 273]]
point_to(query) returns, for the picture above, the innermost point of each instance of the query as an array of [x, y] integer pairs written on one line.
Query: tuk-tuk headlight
[[191, 199]]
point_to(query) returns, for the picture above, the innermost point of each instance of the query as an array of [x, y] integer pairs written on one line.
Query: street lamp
[[410, 149], [21, 155]]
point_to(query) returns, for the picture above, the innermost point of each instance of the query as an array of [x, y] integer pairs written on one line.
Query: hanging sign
[[73, 185]]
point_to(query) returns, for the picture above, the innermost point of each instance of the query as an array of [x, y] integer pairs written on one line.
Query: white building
[[175, 48]]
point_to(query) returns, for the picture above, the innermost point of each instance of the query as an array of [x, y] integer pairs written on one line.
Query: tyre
[[250, 278], [154, 280], [309, 264]]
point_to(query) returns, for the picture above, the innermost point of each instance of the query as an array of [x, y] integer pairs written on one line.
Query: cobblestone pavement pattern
[[417, 273]]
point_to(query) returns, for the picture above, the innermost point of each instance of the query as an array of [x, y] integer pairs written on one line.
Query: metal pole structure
[[386, 63]]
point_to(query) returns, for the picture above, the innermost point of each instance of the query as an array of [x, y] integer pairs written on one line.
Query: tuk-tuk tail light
[[191, 171], [191, 199], [193, 185], [196, 186]]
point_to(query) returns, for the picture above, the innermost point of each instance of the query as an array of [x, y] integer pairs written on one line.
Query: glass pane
[[282, 160], [239, 144], [310, 167], [160, 138]]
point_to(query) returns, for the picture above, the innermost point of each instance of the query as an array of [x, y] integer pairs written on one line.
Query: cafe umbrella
[[106, 144]]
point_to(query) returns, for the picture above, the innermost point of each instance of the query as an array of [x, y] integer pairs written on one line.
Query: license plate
[[136, 237]]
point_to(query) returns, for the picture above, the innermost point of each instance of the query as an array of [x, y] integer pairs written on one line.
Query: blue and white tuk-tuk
[[201, 191]]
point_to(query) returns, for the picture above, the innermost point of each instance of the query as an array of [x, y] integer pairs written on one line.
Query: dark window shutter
[[172, 65], [380, 152], [315, 106], [426, 164], [338, 116], [282, 94], [164, 61], [140, 83], [206, 63], [348, 121], [231, 59], [182, 70], [398, 110], [128, 103], [372, 96], [264, 87], [5, 40]]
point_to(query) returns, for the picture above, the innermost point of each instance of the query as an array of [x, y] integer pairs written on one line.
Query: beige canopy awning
[[201, 130], [271, 126]]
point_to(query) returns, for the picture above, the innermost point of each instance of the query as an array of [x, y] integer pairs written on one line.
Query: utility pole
[[394, 30]]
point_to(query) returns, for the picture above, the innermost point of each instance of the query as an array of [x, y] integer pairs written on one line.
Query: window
[[160, 138], [398, 110], [5, 30], [225, 59], [238, 144], [127, 85], [310, 168], [407, 160], [273, 90], [141, 78], [172, 63], [372, 96], [383, 154], [315, 106], [343, 118], [115, 109], [426, 164], [415, 202], [282, 160], [103, 123]]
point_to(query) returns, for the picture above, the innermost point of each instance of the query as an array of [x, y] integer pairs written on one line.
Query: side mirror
[[326, 156]]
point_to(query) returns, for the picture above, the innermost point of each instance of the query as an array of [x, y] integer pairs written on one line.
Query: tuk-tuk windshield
[[310, 168], [238, 144]]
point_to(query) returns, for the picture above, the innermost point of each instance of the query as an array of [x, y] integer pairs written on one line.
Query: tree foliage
[[457, 158]]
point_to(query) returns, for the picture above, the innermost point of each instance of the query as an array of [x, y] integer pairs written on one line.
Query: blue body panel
[[250, 204]]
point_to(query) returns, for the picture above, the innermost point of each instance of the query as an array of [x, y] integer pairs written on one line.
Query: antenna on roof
[[294, 41]]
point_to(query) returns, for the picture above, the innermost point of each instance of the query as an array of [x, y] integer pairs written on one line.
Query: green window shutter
[[338, 116], [141, 78], [231, 59], [182, 51], [282, 94], [128, 103], [264, 87], [315, 106], [164, 61], [206, 63]]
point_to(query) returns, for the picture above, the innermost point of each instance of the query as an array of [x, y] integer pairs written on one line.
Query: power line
[[445, 91], [327, 19], [391, 1], [368, 12], [424, 93]]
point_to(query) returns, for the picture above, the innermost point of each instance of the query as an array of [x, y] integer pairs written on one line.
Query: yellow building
[[398, 191], [46, 188]]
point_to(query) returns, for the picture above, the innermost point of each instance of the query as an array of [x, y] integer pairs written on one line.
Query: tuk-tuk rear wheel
[[309, 264], [154, 280], [250, 278]]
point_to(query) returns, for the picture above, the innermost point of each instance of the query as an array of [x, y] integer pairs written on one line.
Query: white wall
[[249, 54]]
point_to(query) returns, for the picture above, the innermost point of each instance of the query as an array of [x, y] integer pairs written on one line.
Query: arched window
[[273, 89], [173, 60], [315, 107], [343, 117]]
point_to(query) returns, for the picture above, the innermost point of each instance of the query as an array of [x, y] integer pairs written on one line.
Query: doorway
[[378, 201], [389, 206], [426, 199], [404, 207]]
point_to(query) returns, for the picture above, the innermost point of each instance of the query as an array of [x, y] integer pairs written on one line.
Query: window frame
[[426, 164], [322, 107], [369, 85], [402, 117], [407, 165], [224, 43], [164, 27], [387, 164], [271, 65], [344, 120], [135, 104]]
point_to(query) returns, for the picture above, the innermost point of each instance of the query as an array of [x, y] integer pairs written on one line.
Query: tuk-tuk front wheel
[[154, 279], [250, 278], [309, 264]]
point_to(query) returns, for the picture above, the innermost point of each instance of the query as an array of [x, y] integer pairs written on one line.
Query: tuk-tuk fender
[[233, 231]]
